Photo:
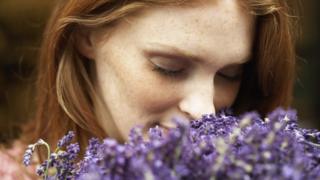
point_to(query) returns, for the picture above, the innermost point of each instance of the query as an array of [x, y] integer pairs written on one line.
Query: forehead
[[219, 31]]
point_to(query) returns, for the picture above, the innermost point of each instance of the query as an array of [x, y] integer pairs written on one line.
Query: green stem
[[48, 160], [312, 144], [42, 142]]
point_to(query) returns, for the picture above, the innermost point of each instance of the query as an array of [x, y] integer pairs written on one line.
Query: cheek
[[225, 94], [139, 89], [150, 92]]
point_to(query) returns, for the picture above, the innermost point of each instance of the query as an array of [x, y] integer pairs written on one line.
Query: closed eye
[[232, 73], [168, 72], [234, 78]]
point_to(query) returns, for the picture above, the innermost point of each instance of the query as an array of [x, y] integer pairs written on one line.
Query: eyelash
[[167, 72], [230, 78], [175, 74]]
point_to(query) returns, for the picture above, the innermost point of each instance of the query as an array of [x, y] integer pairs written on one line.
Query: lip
[[164, 125], [168, 125], [164, 128]]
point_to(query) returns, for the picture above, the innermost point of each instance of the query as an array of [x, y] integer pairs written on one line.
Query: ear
[[85, 44]]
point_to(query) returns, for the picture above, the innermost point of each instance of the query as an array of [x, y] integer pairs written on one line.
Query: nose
[[198, 101]]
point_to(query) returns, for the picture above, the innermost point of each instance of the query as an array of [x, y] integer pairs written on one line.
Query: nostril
[[155, 124], [188, 116], [151, 124]]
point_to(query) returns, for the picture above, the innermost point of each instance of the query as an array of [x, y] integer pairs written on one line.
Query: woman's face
[[171, 61]]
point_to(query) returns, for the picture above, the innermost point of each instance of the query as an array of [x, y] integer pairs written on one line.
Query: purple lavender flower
[[60, 164], [29, 151], [66, 139], [220, 146], [28, 155], [73, 150]]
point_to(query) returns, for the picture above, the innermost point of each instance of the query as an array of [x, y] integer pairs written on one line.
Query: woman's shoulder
[[11, 166]]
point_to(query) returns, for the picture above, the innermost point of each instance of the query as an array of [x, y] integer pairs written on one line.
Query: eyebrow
[[175, 52]]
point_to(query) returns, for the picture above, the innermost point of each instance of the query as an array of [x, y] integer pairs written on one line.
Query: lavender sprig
[[66, 139], [60, 163], [29, 151], [28, 154]]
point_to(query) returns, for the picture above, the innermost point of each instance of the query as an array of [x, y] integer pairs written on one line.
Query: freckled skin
[[220, 31]]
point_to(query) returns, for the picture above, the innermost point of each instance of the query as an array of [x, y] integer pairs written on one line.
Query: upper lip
[[167, 126]]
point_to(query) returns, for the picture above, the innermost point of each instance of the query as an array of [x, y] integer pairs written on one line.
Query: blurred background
[[21, 27]]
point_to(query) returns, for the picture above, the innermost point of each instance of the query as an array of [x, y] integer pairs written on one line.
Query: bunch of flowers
[[219, 146]]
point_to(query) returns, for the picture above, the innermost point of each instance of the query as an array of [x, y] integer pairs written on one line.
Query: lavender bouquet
[[219, 146]]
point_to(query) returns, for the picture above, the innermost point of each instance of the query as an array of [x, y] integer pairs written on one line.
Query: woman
[[108, 65]]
